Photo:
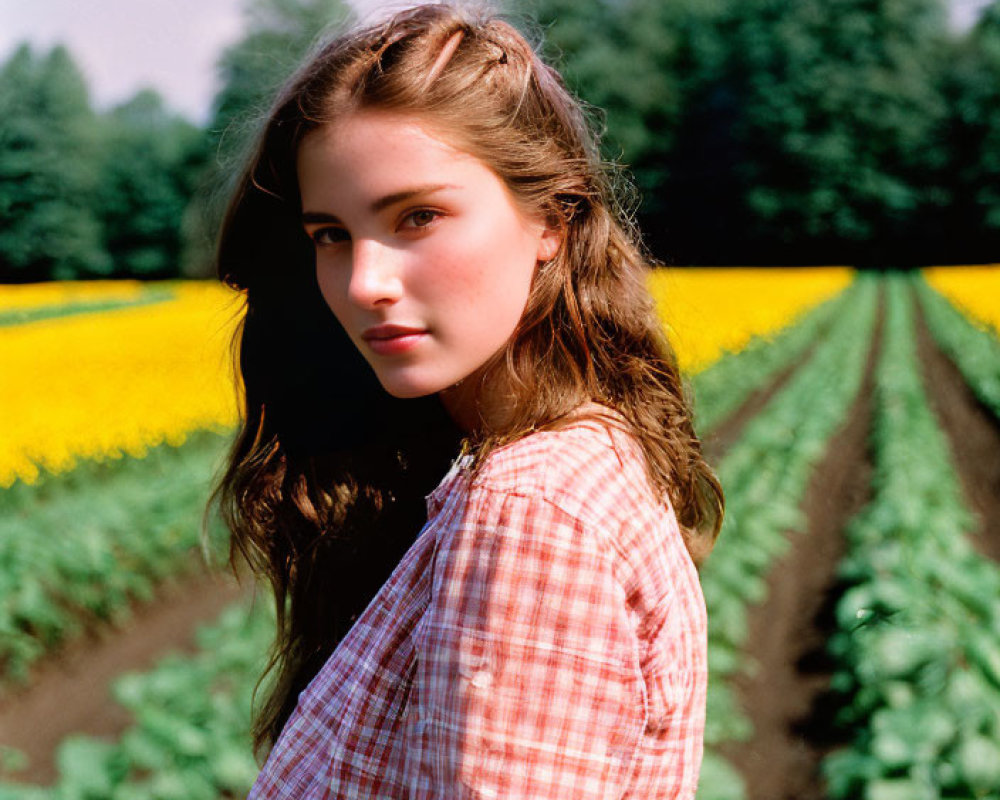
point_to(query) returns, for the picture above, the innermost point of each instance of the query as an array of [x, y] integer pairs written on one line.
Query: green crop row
[[975, 349], [191, 735], [722, 387], [918, 641], [66, 560], [18, 316], [765, 475]]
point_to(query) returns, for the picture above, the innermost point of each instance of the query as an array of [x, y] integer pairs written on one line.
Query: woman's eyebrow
[[382, 202]]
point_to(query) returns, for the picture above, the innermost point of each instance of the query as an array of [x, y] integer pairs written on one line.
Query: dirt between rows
[[973, 433], [719, 438], [70, 690], [787, 698]]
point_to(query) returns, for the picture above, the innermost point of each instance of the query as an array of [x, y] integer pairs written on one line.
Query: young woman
[[467, 466]]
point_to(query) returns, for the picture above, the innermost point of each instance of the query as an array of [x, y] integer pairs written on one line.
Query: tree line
[[756, 132]]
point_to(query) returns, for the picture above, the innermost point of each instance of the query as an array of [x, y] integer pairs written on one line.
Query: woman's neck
[[474, 407], [460, 403]]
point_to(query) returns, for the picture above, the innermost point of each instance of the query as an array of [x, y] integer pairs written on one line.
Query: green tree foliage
[[49, 143], [641, 64], [278, 34], [973, 91], [839, 114], [150, 164], [758, 131], [791, 131], [84, 195]]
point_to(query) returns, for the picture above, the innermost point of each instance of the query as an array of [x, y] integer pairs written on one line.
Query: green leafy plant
[[918, 639], [765, 475], [191, 735], [723, 386], [66, 561], [975, 349]]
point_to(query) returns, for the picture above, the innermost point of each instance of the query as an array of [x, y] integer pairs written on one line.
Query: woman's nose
[[375, 274]]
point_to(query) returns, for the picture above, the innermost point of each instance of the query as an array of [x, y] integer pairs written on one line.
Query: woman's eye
[[422, 218], [323, 236]]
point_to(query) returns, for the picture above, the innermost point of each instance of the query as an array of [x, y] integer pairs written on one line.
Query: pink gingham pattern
[[543, 638]]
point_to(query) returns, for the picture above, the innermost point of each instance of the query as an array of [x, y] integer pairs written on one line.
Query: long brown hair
[[325, 484]]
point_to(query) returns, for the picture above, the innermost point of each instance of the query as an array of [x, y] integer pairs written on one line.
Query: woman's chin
[[408, 391]]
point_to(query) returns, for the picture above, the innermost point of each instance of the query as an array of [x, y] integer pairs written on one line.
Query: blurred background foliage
[[862, 132]]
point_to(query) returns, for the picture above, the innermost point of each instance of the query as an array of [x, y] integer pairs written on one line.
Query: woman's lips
[[394, 345]]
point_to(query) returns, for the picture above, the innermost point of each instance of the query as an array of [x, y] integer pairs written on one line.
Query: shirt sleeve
[[528, 682]]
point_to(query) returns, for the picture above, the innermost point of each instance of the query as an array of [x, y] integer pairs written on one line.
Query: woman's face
[[421, 252]]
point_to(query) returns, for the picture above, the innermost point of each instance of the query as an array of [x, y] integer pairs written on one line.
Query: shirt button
[[482, 679]]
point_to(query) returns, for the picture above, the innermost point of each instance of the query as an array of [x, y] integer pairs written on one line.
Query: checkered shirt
[[543, 638]]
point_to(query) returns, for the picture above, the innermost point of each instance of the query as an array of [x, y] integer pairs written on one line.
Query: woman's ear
[[551, 241]]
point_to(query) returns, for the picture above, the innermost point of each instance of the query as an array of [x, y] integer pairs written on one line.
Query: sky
[[171, 45]]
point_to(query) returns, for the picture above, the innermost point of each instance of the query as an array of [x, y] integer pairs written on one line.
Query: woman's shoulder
[[590, 466], [591, 475], [593, 471]]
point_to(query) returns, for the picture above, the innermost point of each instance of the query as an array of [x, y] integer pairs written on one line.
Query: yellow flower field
[[100, 385], [34, 295], [974, 289], [710, 311]]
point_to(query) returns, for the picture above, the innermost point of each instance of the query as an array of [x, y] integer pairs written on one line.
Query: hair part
[[324, 497]]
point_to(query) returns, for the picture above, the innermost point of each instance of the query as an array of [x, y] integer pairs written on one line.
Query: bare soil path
[[787, 699], [973, 433], [70, 690], [722, 436]]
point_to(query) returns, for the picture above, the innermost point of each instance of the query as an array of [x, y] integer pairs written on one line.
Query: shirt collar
[[436, 499]]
